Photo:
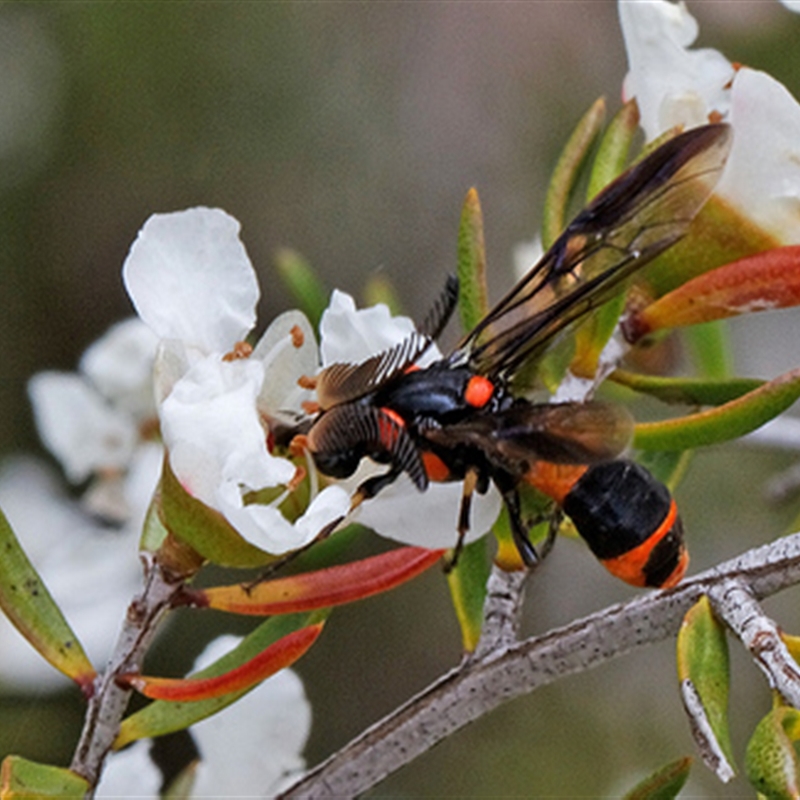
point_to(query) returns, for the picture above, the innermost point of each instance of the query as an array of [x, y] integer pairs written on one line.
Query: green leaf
[[162, 717], [303, 282], [565, 175], [323, 588], [690, 391], [771, 759], [33, 612], [710, 349], [664, 784], [203, 528], [703, 660], [271, 659], [612, 154], [467, 582], [380, 289], [768, 280], [21, 779], [473, 295], [726, 422]]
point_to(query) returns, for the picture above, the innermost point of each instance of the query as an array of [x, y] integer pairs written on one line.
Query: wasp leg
[[556, 518], [470, 483], [527, 551]]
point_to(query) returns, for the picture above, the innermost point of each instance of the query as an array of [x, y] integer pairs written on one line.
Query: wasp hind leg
[[470, 484], [519, 532]]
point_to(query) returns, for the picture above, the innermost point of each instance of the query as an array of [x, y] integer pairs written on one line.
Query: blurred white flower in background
[[252, 748]]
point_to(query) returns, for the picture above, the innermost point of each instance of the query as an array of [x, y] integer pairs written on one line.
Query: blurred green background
[[351, 131]]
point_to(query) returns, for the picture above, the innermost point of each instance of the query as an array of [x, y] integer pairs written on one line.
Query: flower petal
[[763, 174], [189, 278], [288, 351], [253, 746], [351, 336], [428, 519], [77, 425], [672, 84], [120, 365], [212, 430]]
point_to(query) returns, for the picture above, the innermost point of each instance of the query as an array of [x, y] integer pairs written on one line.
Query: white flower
[[675, 85], [92, 571], [400, 511], [250, 749], [90, 420], [191, 281]]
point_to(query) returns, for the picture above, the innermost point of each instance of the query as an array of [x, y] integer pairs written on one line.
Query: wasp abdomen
[[630, 522]]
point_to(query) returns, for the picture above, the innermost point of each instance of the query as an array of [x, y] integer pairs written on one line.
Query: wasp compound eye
[[340, 464]]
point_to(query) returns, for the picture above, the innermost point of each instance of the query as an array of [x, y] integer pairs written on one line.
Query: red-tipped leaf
[[277, 656], [323, 588], [756, 283]]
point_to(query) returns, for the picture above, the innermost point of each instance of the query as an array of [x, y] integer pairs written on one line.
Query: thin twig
[[110, 700], [477, 687]]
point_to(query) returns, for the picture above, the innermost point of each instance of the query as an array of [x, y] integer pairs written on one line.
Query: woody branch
[[478, 686]]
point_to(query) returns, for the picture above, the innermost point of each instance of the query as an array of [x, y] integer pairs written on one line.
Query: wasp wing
[[638, 216], [560, 433]]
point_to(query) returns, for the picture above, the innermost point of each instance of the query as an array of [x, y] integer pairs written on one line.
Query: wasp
[[460, 418]]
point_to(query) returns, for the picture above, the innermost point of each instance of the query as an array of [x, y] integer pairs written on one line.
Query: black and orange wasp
[[459, 418]]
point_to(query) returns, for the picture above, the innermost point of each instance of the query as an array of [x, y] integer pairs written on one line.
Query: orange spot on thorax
[[479, 391]]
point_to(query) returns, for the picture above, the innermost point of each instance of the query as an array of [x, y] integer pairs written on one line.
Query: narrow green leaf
[[33, 612], [21, 779], [669, 466], [710, 349], [325, 588], [609, 162], [771, 759], [612, 153], [726, 422], [664, 784], [761, 282], [565, 175], [203, 528], [380, 289], [703, 660], [689, 391], [162, 717], [246, 676], [467, 582], [303, 282], [473, 295]]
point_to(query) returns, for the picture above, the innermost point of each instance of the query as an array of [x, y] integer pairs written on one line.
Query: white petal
[[762, 178], [792, 5], [265, 526], [428, 519], [252, 747], [189, 278], [351, 335], [212, 430], [672, 84], [526, 255], [130, 774], [120, 365], [78, 426], [285, 362], [91, 571]]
